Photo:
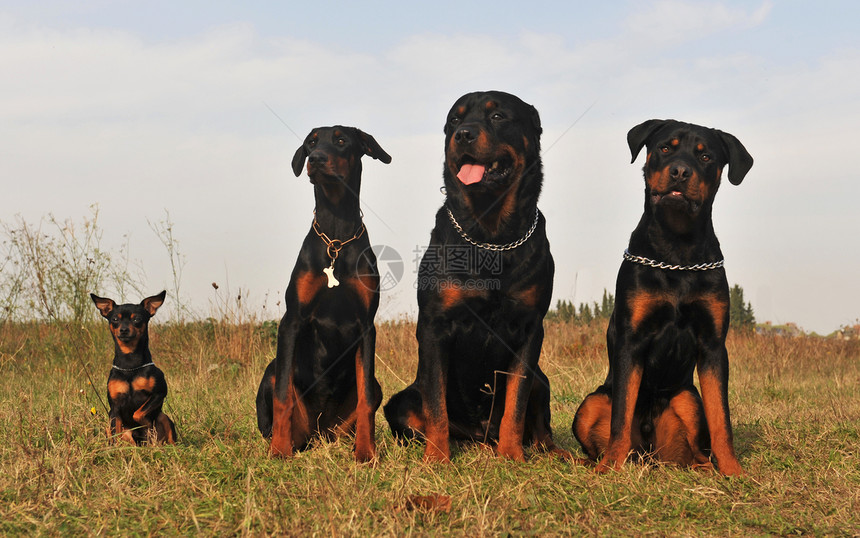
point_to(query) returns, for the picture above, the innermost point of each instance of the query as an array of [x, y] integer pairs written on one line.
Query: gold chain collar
[[334, 246]]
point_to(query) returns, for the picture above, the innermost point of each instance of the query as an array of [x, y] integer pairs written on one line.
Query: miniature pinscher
[[136, 387]]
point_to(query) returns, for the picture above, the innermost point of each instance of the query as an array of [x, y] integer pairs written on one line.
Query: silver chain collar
[[492, 246], [662, 265], [115, 367]]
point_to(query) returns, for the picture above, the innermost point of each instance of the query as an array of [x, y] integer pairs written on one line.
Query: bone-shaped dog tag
[[332, 281]]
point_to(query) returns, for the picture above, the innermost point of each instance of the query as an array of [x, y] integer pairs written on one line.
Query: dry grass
[[795, 402]]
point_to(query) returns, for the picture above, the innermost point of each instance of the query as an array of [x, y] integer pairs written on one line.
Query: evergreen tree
[[585, 315], [607, 304], [741, 315], [564, 311]]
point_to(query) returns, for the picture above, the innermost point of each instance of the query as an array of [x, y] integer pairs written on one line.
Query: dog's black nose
[[317, 157], [680, 172], [464, 136]]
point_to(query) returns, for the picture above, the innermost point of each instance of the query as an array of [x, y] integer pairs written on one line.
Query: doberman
[[136, 387], [321, 381], [671, 312], [484, 286]]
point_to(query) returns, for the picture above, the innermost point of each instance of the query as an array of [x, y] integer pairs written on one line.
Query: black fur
[[480, 320]]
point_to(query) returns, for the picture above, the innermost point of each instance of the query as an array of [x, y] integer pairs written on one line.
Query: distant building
[[849, 332], [787, 329]]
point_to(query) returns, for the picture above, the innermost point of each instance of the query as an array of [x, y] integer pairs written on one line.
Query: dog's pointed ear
[[371, 147], [104, 304], [638, 136], [740, 161], [299, 160], [151, 304]]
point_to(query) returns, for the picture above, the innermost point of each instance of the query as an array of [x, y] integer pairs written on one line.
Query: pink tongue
[[471, 173]]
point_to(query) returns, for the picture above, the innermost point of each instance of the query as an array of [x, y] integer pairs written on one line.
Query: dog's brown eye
[[341, 141], [454, 121], [664, 149], [705, 157], [312, 143], [498, 116]]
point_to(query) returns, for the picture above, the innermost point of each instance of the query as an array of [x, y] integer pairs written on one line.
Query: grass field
[[795, 406]]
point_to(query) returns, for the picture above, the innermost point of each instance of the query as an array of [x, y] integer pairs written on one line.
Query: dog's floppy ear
[[740, 161], [638, 136], [371, 147], [151, 304], [299, 160], [534, 118], [104, 304]]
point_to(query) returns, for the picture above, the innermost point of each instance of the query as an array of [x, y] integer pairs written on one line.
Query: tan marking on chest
[[716, 306], [117, 388], [365, 286], [529, 296], [643, 303], [452, 295], [308, 285], [143, 383]]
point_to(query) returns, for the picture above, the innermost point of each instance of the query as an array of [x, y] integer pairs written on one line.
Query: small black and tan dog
[[136, 387], [484, 286], [671, 312], [322, 380]]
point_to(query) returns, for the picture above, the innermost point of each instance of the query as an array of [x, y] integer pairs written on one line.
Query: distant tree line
[[740, 312], [585, 313]]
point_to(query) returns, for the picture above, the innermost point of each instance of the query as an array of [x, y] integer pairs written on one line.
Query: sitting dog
[[484, 286], [671, 312], [136, 387], [322, 380]]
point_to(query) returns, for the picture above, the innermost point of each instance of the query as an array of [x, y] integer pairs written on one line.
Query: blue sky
[[196, 108]]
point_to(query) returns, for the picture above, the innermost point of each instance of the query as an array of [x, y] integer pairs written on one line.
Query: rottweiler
[[671, 312], [322, 381], [136, 386], [484, 286]]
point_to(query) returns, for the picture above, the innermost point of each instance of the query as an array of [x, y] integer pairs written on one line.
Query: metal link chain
[[662, 265], [492, 246], [115, 367], [334, 246]]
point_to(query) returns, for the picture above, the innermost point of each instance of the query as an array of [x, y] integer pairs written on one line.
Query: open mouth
[[472, 171], [657, 197], [674, 197]]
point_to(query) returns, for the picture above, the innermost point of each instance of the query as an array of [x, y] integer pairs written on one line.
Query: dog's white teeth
[[495, 165]]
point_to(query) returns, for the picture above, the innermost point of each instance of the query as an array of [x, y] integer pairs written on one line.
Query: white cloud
[[104, 116], [676, 21]]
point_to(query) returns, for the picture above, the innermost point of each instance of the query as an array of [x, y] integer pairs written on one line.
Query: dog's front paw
[[731, 468], [434, 453], [364, 452], [511, 451]]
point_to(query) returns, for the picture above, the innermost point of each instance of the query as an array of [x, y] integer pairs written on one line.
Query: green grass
[[795, 405]]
